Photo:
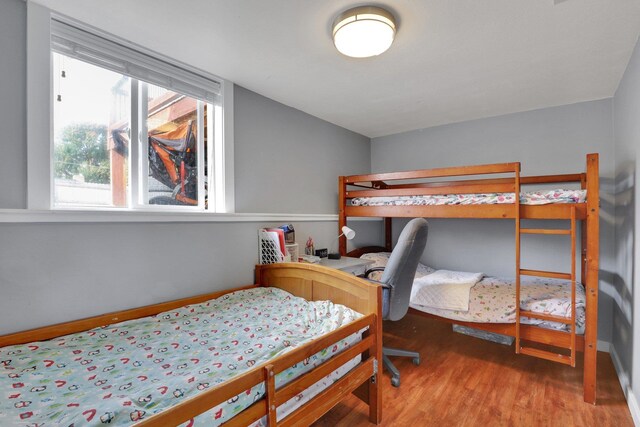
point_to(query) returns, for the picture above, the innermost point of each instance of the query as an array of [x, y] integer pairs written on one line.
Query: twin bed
[[282, 352], [551, 315]]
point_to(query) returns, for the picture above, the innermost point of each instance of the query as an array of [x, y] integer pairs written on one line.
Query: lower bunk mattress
[[122, 373], [492, 299]]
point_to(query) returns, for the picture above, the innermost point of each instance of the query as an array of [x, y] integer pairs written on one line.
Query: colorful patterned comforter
[[125, 372], [492, 300], [529, 198]]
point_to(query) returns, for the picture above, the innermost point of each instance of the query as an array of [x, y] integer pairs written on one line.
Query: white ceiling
[[451, 60]]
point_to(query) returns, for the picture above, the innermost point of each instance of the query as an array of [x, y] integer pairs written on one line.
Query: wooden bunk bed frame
[[304, 280], [437, 182]]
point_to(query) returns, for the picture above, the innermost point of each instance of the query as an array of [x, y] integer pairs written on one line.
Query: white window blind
[[75, 42]]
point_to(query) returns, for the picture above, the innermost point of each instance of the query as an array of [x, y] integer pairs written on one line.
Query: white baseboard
[[633, 407], [625, 383], [603, 346], [623, 377]]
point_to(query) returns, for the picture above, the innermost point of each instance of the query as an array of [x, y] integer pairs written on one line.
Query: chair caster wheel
[[416, 361], [395, 382]]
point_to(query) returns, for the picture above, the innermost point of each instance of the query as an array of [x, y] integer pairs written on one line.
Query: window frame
[[40, 180]]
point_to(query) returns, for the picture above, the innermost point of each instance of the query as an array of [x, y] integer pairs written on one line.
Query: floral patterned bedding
[[125, 372], [492, 300], [529, 198]]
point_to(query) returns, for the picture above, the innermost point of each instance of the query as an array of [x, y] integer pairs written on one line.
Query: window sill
[[107, 216]]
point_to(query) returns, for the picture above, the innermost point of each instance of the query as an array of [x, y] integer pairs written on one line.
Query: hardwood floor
[[466, 381]]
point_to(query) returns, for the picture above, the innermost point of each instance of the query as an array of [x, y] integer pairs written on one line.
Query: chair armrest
[[371, 270], [384, 285]]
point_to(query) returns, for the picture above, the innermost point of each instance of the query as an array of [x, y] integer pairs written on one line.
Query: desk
[[350, 265]]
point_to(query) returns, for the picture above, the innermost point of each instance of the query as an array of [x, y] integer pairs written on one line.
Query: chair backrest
[[401, 267]]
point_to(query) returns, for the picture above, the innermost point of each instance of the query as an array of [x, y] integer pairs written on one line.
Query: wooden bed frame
[[307, 281], [438, 181]]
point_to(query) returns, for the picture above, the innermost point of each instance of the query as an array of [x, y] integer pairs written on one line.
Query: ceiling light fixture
[[364, 31]]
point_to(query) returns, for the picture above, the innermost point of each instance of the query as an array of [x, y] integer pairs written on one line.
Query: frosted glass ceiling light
[[364, 31]]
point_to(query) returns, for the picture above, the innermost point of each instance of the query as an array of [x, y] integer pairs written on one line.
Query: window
[[90, 106], [131, 131]]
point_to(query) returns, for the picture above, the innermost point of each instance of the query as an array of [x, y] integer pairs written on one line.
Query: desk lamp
[[349, 234]]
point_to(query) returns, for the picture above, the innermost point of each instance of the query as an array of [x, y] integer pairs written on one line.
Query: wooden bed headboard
[[315, 283]]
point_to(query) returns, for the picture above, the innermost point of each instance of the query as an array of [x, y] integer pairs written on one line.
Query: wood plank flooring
[[466, 381]]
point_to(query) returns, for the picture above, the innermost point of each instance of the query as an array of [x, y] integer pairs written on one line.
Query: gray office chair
[[397, 280]]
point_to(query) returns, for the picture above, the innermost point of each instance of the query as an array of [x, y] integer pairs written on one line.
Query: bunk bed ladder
[[544, 354]]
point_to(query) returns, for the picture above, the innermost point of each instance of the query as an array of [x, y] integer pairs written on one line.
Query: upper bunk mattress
[[121, 373], [528, 198]]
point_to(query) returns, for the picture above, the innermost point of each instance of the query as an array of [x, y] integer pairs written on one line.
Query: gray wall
[[546, 141], [55, 272], [626, 337], [13, 120], [289, 161]]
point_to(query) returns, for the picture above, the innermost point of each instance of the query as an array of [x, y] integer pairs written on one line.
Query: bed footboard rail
[[266, 373]]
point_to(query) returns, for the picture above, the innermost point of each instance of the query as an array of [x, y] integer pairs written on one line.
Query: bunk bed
[[488, 191], [324, 348]]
